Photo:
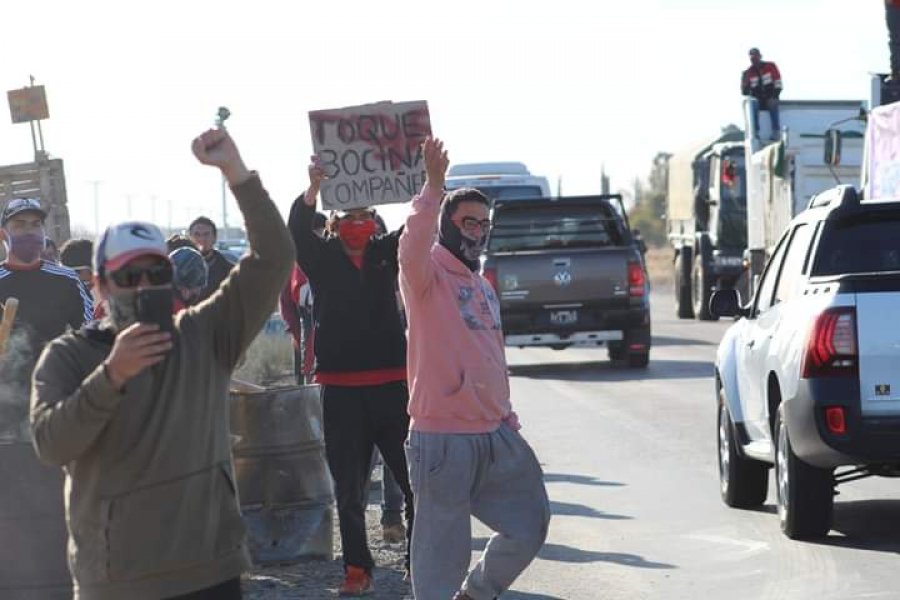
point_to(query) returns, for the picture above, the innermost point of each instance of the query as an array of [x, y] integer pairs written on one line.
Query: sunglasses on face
[[130, 276], [473, 225]]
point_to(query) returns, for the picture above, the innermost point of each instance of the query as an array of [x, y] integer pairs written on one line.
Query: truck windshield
[[510, 192], [861, 245], [571, 227]]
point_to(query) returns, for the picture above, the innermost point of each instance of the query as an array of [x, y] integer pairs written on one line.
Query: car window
[[794, 259], [766, 287], [866, 244], [557, 227]]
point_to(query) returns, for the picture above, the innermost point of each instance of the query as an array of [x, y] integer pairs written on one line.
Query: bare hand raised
[[216, 148], [316, 176], [136, 348], [436, 163]]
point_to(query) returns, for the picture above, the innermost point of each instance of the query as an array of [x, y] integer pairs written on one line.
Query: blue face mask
[[25, 247]]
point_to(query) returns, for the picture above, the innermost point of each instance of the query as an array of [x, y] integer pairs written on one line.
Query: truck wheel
[[683, 306], [622, 354], [639, 360], [743, 482], [805, 494], [616, 352], [702, 291]]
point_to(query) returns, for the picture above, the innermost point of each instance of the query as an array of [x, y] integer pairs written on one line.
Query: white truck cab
[[782, 176]]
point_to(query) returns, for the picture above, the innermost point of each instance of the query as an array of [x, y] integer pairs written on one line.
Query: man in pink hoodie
[[465, 454]]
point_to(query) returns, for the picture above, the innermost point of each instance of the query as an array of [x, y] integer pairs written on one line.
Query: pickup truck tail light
[[636, 279], [836, 419], [490, 273], [832, 349]]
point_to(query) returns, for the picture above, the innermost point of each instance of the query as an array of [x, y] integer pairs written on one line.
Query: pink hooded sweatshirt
[[455, 356]]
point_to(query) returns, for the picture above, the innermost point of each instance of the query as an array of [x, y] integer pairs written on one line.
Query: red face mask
[[356, 234]]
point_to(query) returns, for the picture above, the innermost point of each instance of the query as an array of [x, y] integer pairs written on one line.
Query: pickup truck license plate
[[564, 317]]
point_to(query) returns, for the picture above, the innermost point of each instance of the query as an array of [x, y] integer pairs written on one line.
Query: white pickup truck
[[807, 378]]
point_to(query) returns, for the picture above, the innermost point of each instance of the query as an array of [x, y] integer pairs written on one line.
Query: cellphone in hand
[[154, 305]]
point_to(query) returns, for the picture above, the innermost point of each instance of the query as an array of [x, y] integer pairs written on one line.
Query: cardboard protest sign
[[372, 154]]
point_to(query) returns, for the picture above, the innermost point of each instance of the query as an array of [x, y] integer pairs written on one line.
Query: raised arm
[[307, 244], [421, 225], [236, 312]]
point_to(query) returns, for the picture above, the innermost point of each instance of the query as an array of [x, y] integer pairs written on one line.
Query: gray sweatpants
[[493, 476]]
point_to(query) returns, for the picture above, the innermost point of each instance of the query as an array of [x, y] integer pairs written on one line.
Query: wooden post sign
[[372, 154], [28, 104]]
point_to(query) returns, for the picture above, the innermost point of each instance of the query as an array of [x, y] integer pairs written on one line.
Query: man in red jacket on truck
[[763, 81]]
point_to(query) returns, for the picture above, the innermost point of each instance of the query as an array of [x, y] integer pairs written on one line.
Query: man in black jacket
[[360, 349], [51, 300]]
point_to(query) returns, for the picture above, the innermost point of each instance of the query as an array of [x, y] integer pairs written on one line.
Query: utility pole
[[96, 183], [221, 116], [40, 154]]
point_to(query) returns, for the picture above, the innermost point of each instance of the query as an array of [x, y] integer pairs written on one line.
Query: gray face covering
[[122, 309], [466, 249]]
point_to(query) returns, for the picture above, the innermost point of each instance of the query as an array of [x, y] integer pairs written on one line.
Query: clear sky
[[563, 86]]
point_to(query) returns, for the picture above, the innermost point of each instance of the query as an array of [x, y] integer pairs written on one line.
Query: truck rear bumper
[[584, 338], [868, 440]]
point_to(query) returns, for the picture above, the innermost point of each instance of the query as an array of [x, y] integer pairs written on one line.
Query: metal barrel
[[283, 481], [32, 526]]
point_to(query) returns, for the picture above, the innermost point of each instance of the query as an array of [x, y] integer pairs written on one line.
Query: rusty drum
[[283, 481]]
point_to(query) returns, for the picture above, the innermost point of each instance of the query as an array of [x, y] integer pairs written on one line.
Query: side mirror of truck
[[727, 303], [833, 142]]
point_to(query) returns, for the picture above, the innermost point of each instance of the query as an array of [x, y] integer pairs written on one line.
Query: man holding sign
[[360, 349]]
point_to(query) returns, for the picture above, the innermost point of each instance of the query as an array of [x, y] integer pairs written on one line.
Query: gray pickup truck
[[569, 271]]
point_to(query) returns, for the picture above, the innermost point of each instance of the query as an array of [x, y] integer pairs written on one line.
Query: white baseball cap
[[124, 242]]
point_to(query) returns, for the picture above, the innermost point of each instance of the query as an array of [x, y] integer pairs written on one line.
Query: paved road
[[630, 465]]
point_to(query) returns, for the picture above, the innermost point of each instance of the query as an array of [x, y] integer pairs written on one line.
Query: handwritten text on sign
[[371, 154]]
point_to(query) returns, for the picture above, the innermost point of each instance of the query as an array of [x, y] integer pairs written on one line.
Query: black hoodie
[[355, 314]]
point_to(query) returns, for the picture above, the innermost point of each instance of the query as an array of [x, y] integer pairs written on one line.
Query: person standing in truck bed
[[762, 80]]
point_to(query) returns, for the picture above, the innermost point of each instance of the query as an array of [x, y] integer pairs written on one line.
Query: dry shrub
[[268, 360], [659, 266]]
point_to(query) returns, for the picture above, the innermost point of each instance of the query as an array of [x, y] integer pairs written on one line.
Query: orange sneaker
[[356, 582]]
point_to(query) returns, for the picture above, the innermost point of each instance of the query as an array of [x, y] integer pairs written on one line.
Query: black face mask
[[464, 248]]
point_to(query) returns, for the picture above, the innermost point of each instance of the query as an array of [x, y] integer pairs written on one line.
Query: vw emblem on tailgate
[[562, 278]]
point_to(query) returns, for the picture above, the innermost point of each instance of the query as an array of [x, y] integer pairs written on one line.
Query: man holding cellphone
[[138, 415]]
